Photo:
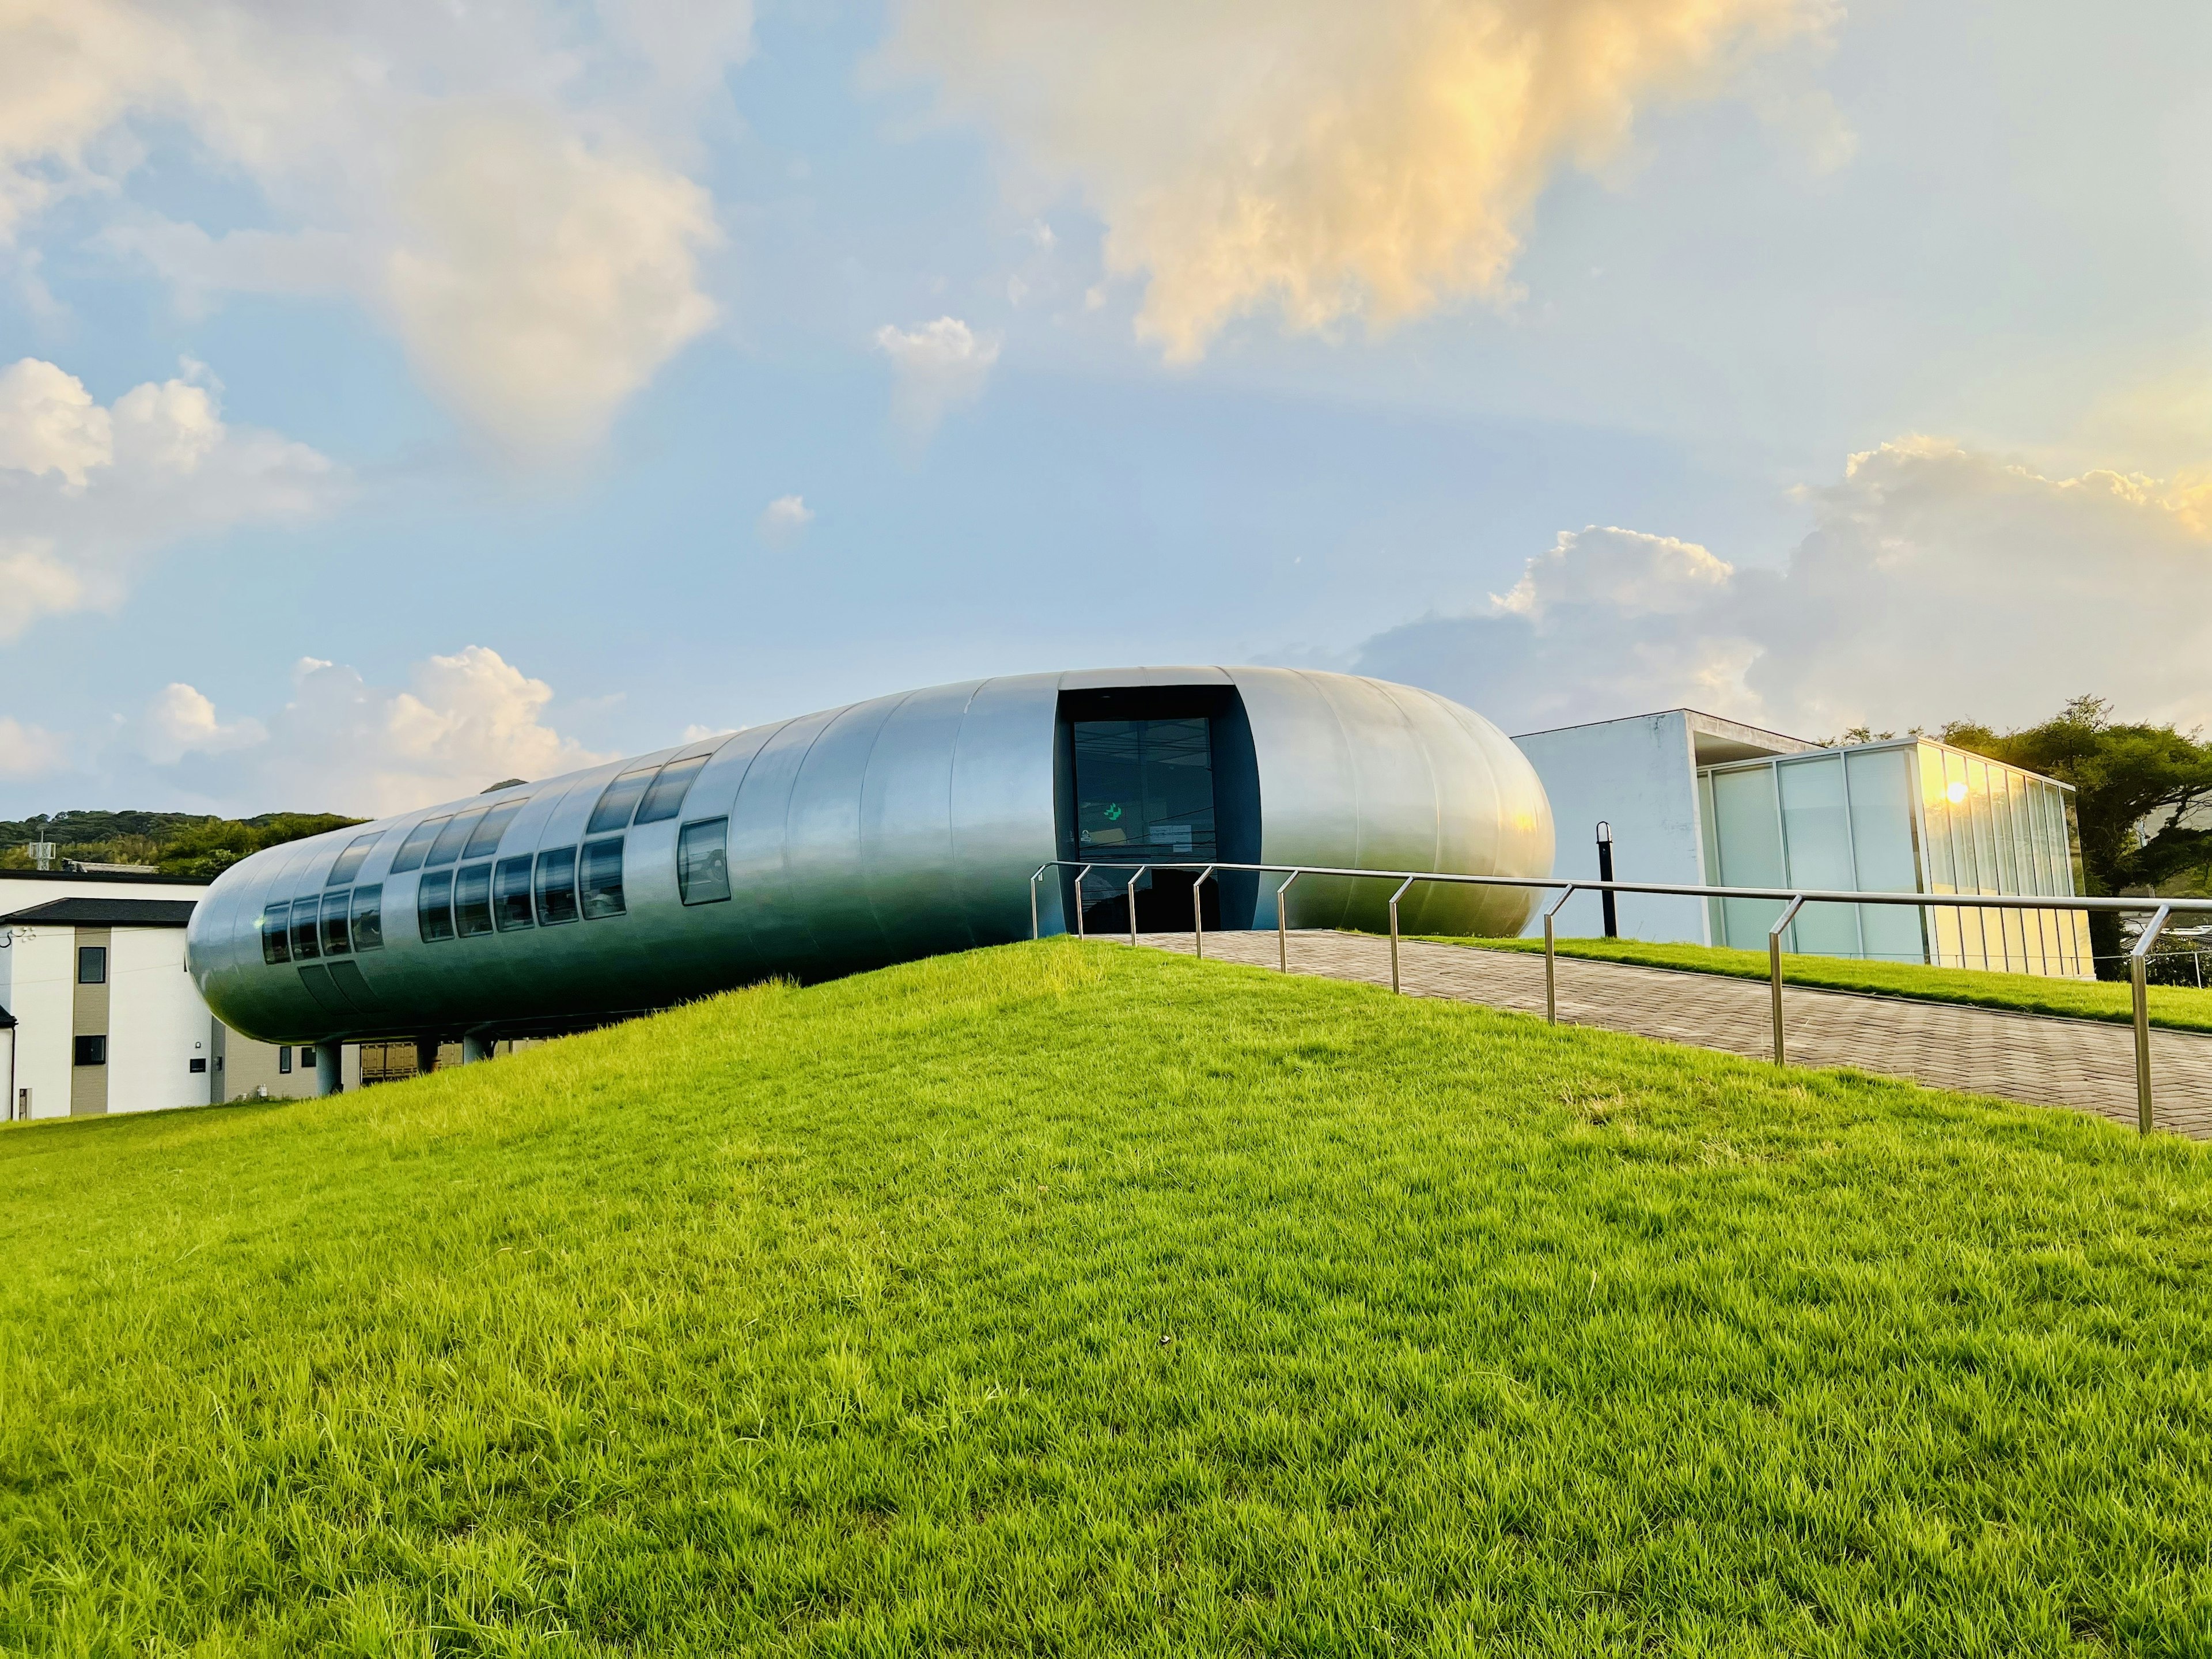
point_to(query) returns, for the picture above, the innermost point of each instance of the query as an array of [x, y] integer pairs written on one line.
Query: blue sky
[[399, 396]]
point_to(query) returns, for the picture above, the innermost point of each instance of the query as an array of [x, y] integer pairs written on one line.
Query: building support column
[[475, 1046], [426, 1056], [329, 1061]]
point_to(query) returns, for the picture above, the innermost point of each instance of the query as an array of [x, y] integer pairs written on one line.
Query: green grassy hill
[[1069, 1299]]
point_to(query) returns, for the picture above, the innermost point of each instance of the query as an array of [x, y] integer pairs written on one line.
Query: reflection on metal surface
[[886, 830]]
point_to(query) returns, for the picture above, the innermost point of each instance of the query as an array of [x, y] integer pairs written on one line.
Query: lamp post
[[1605, 873]]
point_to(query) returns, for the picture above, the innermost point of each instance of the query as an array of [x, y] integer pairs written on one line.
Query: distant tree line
[[175, 843]]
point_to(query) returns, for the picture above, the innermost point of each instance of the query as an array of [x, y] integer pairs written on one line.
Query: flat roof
[[1726, 739], [119, 878], [106, 912]]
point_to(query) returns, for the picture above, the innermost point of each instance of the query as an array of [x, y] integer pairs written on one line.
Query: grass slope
[[2181, 1007], [1066, 1299]]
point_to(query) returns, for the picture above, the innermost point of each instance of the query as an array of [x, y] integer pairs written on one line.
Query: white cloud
[[342, 744], [87, 494], [49, 424], [1938, 583], [538, 320], [939, 368], [785, 518], [493, 181], [180, 720], [1325, 159], [28, 751]]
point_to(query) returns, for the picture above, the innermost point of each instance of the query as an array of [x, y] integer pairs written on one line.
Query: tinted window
[[511, 894], [91, 1051], [92, 964], [284, 1058], [665, 800], [602, 881], [336, 943], [454, 836], [483, 839], [614, 808], [368, 918], [304, 913], [473, 900], [351, 860], [702, 862], [434, 905], [274, 947], [556, 886], [412, 850]]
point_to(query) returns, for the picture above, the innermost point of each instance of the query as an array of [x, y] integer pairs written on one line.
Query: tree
[[2136, 789]]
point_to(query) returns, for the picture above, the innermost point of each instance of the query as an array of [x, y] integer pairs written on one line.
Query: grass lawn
[[1070, 1299], [2183, 1008]]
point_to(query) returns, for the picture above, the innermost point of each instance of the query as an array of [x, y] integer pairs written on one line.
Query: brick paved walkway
[[2043, 1061]]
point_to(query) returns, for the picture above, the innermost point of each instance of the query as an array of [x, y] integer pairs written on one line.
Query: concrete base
[[475, 1047], [330, 1058]]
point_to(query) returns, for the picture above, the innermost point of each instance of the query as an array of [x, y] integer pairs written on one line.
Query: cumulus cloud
[[182, 720], [342, 745], [785, 518], [29, 751], [1938, 583], [88, 493], [937, 367], [1325, 159], [493, 181]]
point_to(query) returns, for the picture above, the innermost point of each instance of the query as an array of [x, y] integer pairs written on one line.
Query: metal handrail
[[2160, 910]]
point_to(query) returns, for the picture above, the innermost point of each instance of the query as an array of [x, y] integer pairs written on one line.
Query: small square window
[[199, 1064], [91, 1051], [702, 862], [92, 967]]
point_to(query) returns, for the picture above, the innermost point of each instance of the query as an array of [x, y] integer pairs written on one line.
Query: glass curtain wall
[[1993, 830], [1900, 817]]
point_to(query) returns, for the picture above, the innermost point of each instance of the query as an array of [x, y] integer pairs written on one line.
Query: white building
[[97, 1013], [1699, 801]]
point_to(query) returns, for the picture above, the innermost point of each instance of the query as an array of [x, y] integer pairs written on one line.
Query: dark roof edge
[[119, 880]]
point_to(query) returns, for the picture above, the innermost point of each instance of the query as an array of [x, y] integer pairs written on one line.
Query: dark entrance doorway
[[1156, 777]]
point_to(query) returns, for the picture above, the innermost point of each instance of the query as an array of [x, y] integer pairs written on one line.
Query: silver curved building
[[884, 830]]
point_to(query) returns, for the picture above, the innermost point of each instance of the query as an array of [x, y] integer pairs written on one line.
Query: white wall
[[156, 1024], [38, 970], [1640, 775]]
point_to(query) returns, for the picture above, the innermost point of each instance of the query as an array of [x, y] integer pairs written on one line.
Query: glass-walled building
[[1911, 815]]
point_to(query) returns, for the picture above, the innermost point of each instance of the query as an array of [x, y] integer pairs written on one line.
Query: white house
[[97, 1013]]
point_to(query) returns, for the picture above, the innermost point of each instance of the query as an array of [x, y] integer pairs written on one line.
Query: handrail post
[[1551, 961], [1774, 967], [1282, 921], [1035, 934], [1198, 912], [1079, 931], [1395, 897], [2138, 978], [1134, 880]]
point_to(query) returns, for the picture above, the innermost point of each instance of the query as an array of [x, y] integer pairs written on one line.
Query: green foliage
[[177, 843], [215, 844], [2124, 775], [2183, 1009], [1066, 1299]]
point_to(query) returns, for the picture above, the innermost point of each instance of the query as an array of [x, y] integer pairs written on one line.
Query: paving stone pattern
[[2043, 1061]]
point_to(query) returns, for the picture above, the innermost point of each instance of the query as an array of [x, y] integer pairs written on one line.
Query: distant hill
[[176, 843]]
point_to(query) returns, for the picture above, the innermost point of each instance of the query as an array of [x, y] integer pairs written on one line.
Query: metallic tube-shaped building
[[884, 830]]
